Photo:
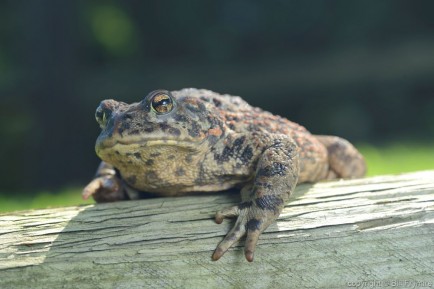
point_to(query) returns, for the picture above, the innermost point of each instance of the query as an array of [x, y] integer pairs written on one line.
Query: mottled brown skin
[[191, 140]]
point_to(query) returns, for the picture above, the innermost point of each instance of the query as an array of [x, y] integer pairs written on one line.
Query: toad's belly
[[155, 183], [171, 181]]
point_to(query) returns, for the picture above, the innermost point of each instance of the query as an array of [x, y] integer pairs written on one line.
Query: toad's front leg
[[275, 178], [108, 186]]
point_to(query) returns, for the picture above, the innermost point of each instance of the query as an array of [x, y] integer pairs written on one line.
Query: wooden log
[[354, 233]]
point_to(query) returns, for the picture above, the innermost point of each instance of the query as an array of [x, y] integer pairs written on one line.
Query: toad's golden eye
[[103, 114], [162, 103]]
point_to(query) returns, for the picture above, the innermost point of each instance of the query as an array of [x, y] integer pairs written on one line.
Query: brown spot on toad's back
[[215, 131]]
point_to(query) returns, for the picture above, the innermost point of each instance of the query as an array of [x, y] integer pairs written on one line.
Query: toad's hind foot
[[345, 161]]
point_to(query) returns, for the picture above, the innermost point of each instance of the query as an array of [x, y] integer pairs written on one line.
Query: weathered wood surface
[[331, 235]]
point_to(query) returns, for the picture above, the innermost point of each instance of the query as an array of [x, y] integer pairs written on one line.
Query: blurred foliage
[[42, 200], [361, 70], [398, 157], [108, 21]]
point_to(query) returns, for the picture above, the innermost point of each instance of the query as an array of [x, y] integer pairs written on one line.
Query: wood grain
[[338, 234]]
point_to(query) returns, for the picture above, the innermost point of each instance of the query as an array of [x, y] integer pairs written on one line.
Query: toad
[[196, 140]]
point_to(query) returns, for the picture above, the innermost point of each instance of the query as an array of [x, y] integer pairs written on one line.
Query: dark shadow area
[[141, 232]]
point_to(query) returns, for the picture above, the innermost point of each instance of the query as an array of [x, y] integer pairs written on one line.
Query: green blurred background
[[359, 69]]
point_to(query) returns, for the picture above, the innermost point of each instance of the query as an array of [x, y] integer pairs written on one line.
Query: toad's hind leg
[[344, 159]]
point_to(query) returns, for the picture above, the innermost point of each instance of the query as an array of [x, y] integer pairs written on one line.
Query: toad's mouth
[[104, 143]]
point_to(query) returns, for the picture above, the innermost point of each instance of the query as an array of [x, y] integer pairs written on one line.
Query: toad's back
[[240, 117]]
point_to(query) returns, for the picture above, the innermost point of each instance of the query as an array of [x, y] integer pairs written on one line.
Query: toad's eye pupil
[[162, 103]]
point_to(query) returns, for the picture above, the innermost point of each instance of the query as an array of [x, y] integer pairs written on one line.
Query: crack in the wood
[[319, 226], [5, 269], [367, 190], [127, 215], [289, 205], [171, 239], [190, 220], [324, 210], [42, 225], [315, 202], [391, 201], [33, 244], [303, 238], [425, 201], [12, 232], [98, 229], [388, 221], [75, 243]]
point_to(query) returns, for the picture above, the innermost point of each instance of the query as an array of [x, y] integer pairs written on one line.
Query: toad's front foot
[[105, 189], [106, 186], [251, 221]]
